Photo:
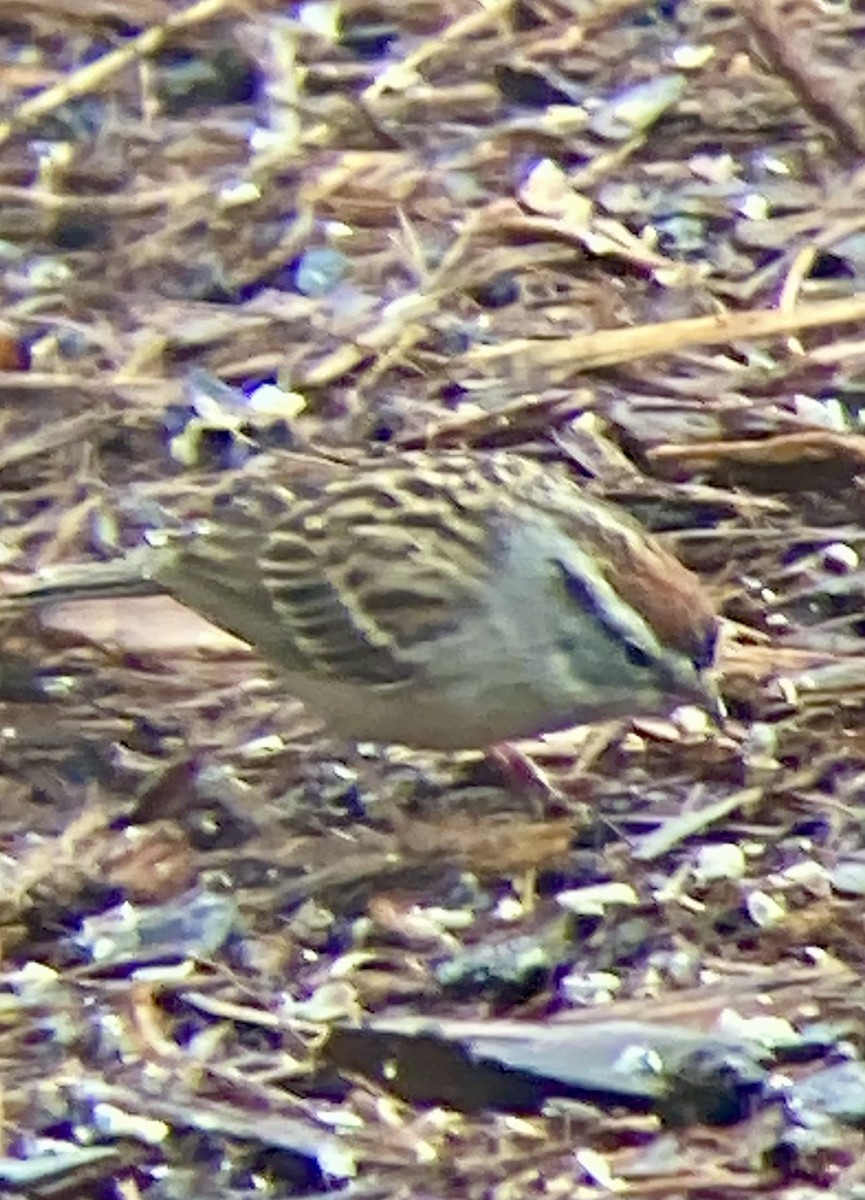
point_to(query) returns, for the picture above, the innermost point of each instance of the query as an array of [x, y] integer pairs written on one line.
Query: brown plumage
[[442, 599]]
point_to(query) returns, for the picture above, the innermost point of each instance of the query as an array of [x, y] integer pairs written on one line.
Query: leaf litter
[[237, 954]]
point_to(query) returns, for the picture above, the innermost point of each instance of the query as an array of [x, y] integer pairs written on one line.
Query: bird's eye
[[637, 656]]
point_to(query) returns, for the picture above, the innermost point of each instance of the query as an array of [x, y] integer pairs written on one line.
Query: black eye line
[[707, 649], [579, 589]]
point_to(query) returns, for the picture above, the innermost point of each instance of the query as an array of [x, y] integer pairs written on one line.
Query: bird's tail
[[78, 581]]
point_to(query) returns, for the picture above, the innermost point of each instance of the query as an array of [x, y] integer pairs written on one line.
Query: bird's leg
[[524, 771], [521, 772]]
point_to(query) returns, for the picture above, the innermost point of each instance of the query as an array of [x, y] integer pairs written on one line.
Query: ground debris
[[238, 956]]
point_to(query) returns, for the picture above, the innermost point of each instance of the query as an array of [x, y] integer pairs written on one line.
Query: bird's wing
[[378, 564]]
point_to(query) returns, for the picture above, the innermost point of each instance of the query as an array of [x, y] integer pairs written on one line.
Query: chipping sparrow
[[440, 599]]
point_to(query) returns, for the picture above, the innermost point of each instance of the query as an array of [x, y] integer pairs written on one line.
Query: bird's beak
[[709, 698]]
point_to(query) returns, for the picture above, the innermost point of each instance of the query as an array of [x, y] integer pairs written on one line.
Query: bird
[[442, 599]]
